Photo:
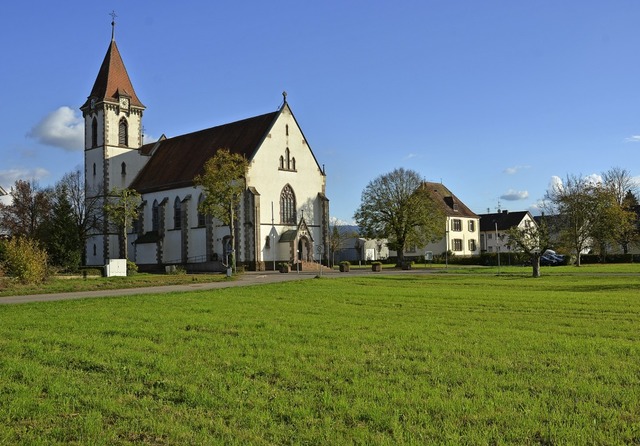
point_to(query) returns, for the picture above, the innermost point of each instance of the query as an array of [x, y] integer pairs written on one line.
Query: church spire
[[113, 80]]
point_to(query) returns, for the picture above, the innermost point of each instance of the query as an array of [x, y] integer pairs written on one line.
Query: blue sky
[[493, 98]]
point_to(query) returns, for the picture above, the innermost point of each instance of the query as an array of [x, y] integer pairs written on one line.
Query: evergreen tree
[[62, 241]]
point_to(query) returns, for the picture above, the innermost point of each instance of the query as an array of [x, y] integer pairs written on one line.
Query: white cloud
[[555, 183], [9, 177], [513, 170], [61, 128], [335, 221], [634, 138], [147, 138], [594, 179], [515, 195], [410, 156]]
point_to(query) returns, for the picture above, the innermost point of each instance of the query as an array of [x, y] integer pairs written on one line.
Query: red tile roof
[[113, 79], [177, 161], [448, 202]]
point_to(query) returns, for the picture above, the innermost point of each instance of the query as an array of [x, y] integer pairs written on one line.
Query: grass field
[[436, 359], [66, 284]]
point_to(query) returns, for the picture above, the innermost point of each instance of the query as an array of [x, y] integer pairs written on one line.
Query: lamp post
[[497, 246]]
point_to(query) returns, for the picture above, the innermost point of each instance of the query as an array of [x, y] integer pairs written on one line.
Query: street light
[[497, 246]]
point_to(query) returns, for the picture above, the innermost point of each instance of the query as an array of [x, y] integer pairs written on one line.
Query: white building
[[461, 226], [284, 212], [494, 227]]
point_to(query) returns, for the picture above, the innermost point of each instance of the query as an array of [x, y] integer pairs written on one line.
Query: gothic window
[[287, 162], [287, 206], [177, 213], [94, 132], [287, 129], [267, 242], [94, 169], [123, 133], [124, 168], [95, 250], [155, 216], [201, 217]]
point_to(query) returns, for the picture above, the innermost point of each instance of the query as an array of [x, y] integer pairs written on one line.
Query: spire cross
[[113, 24]]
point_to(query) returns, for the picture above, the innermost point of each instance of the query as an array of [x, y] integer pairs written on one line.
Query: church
[[284, 211]]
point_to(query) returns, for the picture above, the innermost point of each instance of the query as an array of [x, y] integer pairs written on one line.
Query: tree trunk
[[535, 264]]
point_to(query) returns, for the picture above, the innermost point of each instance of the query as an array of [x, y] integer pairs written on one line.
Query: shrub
[[25, 260], [132, 268]]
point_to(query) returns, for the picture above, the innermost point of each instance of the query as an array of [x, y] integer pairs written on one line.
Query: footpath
[[244, 279]]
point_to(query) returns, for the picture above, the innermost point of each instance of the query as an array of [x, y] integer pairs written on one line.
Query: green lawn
[[66, 284], [437, 359]]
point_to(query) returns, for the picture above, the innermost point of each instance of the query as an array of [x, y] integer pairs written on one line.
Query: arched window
[[202, 221], [94, 169], [177, 214], [293, 163], [155, 216], [94, 132], [95, 250], [124, 168], [123, 133], [287, 206], [281, 162], [286, 127], [288, 157]]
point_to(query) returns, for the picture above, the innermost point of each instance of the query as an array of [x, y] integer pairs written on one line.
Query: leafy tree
[[629, 233], [223, 182], [533, 240], [397, 206], [121, 208], [29, 209]]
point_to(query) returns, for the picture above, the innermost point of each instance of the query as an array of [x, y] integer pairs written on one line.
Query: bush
[[25, 260], [132, 268]]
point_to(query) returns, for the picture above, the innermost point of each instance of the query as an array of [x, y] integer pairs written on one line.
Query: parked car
[[551, 258]]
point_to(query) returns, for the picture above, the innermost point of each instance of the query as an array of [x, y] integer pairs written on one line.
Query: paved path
[[246, 279]]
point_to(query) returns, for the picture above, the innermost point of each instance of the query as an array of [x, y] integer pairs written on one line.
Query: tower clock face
[[124, 102]]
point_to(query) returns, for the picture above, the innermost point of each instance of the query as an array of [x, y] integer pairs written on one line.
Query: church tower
[[113, 136]]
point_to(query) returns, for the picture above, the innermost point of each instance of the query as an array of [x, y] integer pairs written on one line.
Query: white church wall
[[269, 180]]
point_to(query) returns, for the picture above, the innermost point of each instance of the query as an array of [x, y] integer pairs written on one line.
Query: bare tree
[[619, 181], [86, 211], [573, 203]]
